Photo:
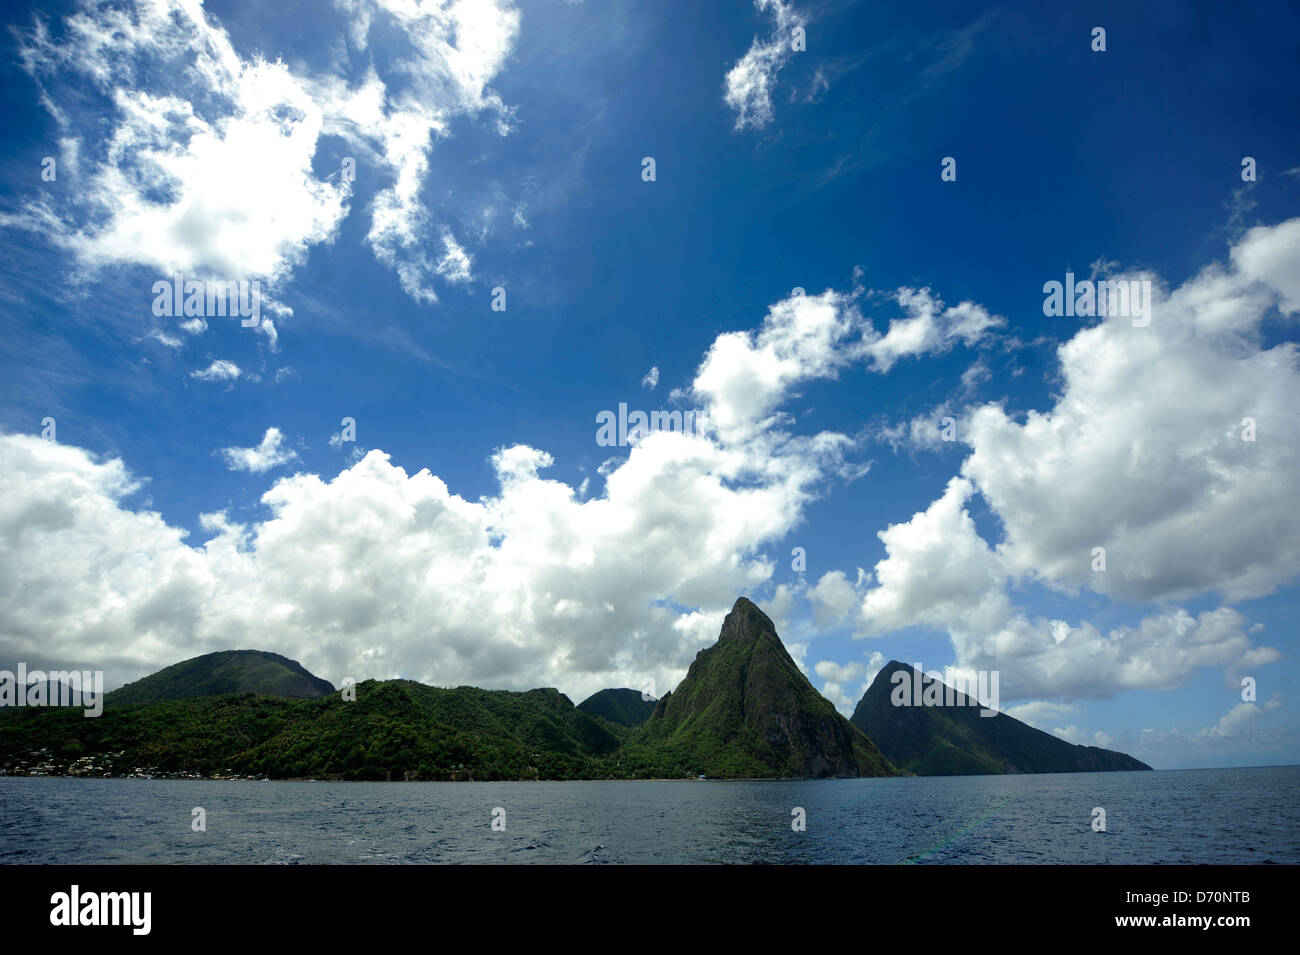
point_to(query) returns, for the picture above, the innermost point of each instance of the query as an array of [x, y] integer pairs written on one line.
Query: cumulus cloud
[[837, 672], [1237, 719], [1150, 466], [377, 571], [842, 698], [939, 573], [651, 379], [930, 328], [833, 598], [838, 677], [746, 375], [748, 86], [1143, 452], [271, 453]]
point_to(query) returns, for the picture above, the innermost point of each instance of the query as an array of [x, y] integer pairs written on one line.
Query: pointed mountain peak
[[947, 735], [746, 709], [747, 622]]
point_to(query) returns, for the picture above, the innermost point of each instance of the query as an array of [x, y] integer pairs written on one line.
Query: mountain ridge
[[744, 710]]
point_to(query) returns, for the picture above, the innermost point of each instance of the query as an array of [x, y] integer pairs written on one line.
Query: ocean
[[1219, 816]]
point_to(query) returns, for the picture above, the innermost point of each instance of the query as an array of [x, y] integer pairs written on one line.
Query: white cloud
[[271, 453], [844, 699], [875, 663], [939, 573], [833, 598], [746, 375], [219, 370], [455, 52], [836, 676], [651, 379], [376, 571], [844, 673], [206, 165], [1142, 453], [1233, 722], [748, 86], [455, 265], [1268, 256], [930, 328], [213, 180]]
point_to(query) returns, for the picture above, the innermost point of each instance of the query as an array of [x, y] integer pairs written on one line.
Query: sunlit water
[[1192, 816]]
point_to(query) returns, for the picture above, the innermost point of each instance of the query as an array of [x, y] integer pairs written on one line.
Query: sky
[[467, 233]]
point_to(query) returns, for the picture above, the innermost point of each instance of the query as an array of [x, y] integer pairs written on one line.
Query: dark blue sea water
[[1179, 817]]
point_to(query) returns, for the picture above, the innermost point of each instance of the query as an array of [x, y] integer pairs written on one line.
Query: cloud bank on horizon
[[376, 571]]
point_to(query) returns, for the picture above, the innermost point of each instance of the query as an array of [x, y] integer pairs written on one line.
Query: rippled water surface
[[1177, 817]]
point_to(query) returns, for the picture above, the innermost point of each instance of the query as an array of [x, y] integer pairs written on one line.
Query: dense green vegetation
[[622, 706], [743, 710], [224, 672], [395, 729], [957, 741], [746, 709]]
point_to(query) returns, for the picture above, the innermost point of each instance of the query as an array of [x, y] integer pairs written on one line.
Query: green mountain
[[225, 672], [622, 706], [956, 741], [396, 729], [745, 709]]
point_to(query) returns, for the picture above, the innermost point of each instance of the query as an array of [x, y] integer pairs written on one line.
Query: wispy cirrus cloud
[[219, 370], [748, 85]]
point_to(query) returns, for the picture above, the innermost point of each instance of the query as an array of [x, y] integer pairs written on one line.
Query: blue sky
[[502, 146]]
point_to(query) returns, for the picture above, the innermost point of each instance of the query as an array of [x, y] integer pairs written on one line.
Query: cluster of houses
[[42, 762]]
